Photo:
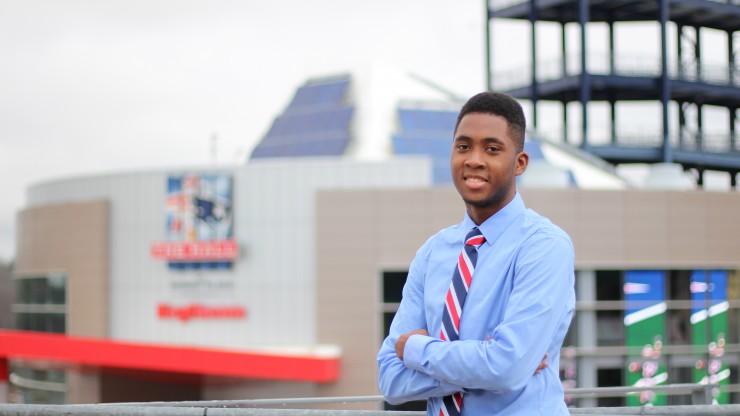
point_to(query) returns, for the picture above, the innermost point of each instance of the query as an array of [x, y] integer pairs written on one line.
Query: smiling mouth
[[474, 180]]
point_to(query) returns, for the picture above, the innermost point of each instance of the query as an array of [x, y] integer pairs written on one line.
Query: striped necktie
[[454, 301]]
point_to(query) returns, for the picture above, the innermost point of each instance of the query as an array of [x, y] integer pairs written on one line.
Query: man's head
[[487, 153], [498, 104]]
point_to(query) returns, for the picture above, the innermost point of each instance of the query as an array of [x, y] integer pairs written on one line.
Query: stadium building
[[279, 278]]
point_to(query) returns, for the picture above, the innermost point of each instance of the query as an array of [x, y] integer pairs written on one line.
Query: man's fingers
[[543, 364], [401, 341]]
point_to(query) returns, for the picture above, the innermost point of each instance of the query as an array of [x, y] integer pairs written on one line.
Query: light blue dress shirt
[[519, 307]]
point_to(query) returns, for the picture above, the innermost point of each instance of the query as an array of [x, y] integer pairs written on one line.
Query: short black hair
[[499, 104]]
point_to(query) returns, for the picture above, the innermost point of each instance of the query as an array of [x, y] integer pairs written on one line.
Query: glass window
[[609, 328], [680, 375], [37, 294], [679, 284], [393, 286], [679, 326], [608, 285], [733, 326], [734, 381], [25, 390], [609, 377], [393, 282], [570, 337], [50, 290], [42, 322], [57, 290], [387, 320], [733, 316]]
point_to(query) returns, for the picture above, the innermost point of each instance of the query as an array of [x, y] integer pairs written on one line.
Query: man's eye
[[492, 149], [462, 147]]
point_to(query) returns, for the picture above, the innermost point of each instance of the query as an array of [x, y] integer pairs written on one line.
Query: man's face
[[485, 162]]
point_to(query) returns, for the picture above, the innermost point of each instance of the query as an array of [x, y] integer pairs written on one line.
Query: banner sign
[[196, 251], [199, 222], [644, 321], [197, 311], [709, 309]]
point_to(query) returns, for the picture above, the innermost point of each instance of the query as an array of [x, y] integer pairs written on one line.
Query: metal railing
[[700, 394], [689, 141], [627, 65], [497, 5]]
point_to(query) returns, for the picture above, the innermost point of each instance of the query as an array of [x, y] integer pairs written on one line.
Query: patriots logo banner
[[199, 222]]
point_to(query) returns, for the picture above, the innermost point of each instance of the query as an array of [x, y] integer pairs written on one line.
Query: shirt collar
[[493, 227]]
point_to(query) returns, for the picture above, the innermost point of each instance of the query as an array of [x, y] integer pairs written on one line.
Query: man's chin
[[478, 203]]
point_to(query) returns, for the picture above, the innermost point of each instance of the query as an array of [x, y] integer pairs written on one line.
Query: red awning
[[105, 353]]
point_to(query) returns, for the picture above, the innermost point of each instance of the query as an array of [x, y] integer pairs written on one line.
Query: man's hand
[[543, 364], [401, 342]]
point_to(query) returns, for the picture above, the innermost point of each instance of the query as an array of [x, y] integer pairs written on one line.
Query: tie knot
[[474, 238]]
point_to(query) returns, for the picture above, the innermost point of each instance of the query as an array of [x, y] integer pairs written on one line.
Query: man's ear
[[522, 160]]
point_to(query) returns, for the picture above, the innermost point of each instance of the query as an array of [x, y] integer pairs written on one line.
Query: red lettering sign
[[197, 311], [213, 250]]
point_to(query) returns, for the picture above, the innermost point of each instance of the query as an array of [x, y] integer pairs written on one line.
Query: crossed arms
[[414, 366]]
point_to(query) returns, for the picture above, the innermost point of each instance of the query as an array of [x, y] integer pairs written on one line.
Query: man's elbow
[[388, 391]]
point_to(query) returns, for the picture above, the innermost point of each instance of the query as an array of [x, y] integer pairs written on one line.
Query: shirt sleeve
[[542, 298], [397, 382]]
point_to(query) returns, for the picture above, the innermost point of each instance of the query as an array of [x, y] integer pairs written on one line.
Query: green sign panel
[[709, 329], [644, 321]]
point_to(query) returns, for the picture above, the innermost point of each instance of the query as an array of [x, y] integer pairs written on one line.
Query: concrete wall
[[70, 239]]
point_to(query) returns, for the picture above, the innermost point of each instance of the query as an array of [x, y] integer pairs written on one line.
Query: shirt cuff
[[413, 350]]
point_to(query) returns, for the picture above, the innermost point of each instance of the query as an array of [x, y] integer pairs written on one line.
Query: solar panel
[[315, 123], [320, 92]]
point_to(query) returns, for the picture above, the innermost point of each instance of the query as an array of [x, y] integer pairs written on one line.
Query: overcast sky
[[94, 86], [97, 86]]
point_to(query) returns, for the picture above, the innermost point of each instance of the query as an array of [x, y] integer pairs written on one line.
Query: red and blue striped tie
[[456, 294]]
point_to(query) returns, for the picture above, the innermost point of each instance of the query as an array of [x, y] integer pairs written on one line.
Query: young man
[[488, 298]]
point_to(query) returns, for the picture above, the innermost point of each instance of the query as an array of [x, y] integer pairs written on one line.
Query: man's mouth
[[474, 180]]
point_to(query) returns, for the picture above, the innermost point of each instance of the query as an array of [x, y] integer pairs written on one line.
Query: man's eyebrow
[[494, 140], [487, 140]]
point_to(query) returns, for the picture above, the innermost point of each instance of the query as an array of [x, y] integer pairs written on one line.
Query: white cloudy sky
[[90, 86], [93, 86]]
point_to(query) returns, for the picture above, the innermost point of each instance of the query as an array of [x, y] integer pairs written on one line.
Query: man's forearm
[[400, 384]]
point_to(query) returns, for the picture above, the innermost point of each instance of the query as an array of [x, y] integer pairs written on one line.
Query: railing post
[[703, 395]]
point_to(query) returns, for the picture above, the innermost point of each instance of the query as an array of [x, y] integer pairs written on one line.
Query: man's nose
[[474, 160]]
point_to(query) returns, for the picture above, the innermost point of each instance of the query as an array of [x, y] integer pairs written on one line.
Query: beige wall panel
[[688, 232], [345, 278], [723, 239], [645, 227], [73, 239], [598, 240], [401, 222], [84, 386], [597, 233], [444, 207], [559, 206]]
